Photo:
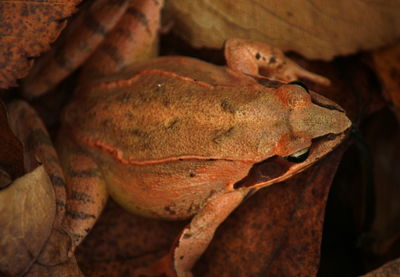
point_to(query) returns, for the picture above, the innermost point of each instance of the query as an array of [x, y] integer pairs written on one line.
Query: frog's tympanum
[[177, 138]]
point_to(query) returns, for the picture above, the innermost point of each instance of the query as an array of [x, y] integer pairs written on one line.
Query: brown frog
[[177, 138]]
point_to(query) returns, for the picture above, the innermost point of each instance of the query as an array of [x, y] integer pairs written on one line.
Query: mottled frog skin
[[173, 132]]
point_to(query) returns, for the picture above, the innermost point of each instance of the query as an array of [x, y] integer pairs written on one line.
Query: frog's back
[[153, 113]]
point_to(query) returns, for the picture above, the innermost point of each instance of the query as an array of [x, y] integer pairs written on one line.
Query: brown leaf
[[387, 66], [27, 28], [277, 232], [316, 29], [27, 211], [11, 153]]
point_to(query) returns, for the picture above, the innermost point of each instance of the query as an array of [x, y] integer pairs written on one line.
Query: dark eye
[[299, 156], [300, 84]]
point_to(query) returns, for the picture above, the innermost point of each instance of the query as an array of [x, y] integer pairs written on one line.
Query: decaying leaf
[[27, 211], [27, 28], [386, 63], [316, 29]]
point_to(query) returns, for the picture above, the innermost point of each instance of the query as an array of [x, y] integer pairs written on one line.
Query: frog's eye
[[299, 156], [300, 84]]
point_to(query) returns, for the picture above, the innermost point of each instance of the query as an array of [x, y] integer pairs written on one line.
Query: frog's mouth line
[[278, 169]]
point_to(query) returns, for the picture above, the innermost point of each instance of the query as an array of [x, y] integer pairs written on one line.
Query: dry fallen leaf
[[27, 211], [316, 29], [27, 28]]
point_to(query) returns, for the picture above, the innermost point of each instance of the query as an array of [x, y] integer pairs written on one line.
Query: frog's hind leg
[[86, 191], [39, 148], [133, 39], [78, 42], [195, 237], [257, 58]]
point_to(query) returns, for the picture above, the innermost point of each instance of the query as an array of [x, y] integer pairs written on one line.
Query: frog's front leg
[[86, 190], [257, 58], [195, 238]]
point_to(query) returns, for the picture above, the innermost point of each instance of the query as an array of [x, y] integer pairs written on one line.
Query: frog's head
[[313, 127], [310, 117]]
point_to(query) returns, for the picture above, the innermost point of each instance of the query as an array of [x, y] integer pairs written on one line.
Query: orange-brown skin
[[178, 138], [173, 135]]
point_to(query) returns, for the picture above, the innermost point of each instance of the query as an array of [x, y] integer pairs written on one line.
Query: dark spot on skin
[[269, 83], [169, 210], [37, 138], [60, 203], [181, 257], [187, 236], [79, 215], [57, 181], [180, 159], [226, 106], [212, 192], [258, 56], [138, 133], [113, 53], [272, 60], [289, 13], [145, 97], [172, 124], [106, 123], [191, 174], [94, 25], [222, 135], [141, 17], [89, 173], [80, 196], [123, 98]]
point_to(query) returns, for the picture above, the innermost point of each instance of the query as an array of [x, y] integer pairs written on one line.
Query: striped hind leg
[[78, 42], [133, 39], [38, 149], [86, 191]]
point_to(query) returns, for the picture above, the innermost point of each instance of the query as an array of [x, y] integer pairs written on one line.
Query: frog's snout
[[318, 121]]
